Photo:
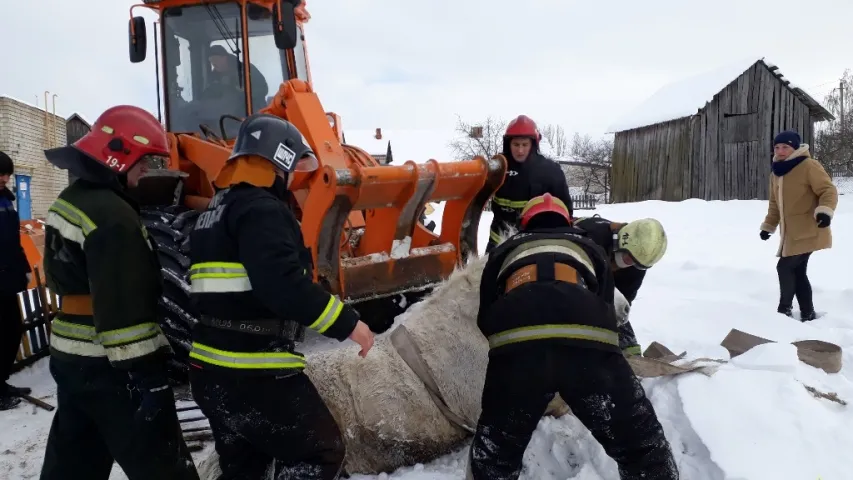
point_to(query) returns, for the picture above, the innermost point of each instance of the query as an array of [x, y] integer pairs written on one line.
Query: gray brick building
[[25, 132]]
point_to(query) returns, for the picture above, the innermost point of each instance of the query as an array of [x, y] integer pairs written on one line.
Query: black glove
[[823, 220], [764, 235], [156, 395]]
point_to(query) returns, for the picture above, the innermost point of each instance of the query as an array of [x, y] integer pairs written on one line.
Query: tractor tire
[[170, 228]]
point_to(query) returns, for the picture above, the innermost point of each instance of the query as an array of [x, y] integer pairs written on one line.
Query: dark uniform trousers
[[10, 333], [603, 393], [261, 420], [94, 426]]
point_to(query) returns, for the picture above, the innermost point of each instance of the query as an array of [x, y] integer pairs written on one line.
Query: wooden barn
[[710, 136], [75, 128]]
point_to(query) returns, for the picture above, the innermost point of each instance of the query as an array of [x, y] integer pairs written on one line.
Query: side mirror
[[138, 39], [285, 32]]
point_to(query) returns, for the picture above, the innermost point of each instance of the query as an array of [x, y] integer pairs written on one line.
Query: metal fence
[[579, 202]]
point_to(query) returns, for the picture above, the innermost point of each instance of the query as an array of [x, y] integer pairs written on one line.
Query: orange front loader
[[222, 60]]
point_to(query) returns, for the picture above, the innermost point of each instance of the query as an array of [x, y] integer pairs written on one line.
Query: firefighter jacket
[[251, 275], [603, 232], [548, 285], [101, 262], [535, 176]]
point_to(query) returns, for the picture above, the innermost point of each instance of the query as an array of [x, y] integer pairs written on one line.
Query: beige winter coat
[[795, 200]]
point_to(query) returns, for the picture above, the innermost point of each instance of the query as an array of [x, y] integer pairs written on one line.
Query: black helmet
[[277, 140]]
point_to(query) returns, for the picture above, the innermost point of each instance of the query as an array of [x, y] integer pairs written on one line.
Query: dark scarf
[[785, 166]]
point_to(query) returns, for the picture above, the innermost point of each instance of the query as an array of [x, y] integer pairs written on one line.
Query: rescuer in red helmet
[[547, 309], [529, 174], [107, 353]]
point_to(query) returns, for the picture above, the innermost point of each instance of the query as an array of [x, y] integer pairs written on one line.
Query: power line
[[822, 84]]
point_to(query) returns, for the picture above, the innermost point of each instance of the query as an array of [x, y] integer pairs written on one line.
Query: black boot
[[8, 402], [787, 311], [808, 316], [15, 391]]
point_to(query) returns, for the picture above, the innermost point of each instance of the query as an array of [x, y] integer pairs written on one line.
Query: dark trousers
[[94, 425], [793, 281], [520, 384], [259, 421], [10, 333]]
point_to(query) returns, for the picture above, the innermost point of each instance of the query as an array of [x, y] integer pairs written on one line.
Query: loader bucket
[[394, 253]]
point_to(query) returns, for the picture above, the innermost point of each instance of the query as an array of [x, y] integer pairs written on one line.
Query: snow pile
[[761, 416]]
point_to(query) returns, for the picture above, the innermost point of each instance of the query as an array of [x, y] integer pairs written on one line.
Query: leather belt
[[76, 305], [258, 327], [529, 273]]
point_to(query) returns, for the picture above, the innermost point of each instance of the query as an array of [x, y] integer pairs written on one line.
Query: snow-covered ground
[[752, 420]]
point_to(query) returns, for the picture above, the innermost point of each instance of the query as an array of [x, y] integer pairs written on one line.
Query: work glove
[[764, 235], [156, 395], [823, 220]]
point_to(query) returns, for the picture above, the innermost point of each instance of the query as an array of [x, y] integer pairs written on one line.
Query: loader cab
[[222, 62]]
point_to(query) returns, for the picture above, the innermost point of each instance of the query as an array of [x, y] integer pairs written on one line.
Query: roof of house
[[417, 145], [686, 97]]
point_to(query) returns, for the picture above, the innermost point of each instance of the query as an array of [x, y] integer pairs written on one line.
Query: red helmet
[[121, 136], [522, 126], [543, 204]]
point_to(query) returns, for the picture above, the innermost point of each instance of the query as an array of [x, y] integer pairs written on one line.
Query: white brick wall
[[24, 137]]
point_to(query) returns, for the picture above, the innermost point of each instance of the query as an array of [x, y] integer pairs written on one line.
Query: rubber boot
[[15, 391], [8, 402]]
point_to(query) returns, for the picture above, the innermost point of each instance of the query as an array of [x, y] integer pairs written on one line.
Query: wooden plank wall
[[722, 153], [648, 163]]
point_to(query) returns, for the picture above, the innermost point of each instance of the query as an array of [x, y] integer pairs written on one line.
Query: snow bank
[[754, 419]]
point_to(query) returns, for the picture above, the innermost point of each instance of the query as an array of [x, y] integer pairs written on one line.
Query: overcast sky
[[417, 64]]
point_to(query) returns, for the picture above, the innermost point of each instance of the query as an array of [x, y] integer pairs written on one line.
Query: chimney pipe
[[378, 135]]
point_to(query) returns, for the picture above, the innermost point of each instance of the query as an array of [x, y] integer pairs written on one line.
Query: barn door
[[744, 172]]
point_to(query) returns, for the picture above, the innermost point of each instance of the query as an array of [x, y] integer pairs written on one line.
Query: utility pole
[[841, 91]]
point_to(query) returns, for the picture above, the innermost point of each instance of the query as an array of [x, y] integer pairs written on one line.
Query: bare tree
[[834, 139], [593, 157], [556, 137], [482, 138]]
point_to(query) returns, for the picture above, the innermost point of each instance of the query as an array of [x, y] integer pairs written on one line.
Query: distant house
[[710, 136], [376, 145], [75, 128]]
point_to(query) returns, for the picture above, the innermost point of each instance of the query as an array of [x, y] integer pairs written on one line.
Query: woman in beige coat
[[802, 203]]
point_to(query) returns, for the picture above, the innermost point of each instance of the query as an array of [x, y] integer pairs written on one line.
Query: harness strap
[[76, 305], [269, 327], [545, 271]]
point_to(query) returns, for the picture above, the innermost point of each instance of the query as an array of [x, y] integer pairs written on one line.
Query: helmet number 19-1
[[113, 162]]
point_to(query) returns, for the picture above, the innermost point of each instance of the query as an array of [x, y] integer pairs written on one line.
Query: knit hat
[[788, 137]]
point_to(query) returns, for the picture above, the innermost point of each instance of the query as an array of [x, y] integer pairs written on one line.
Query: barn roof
[[687, 97], [417, 145], [79, 117]]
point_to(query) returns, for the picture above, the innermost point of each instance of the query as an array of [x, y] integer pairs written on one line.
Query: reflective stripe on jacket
[[250, 264], [576, 310], [97, 249]]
